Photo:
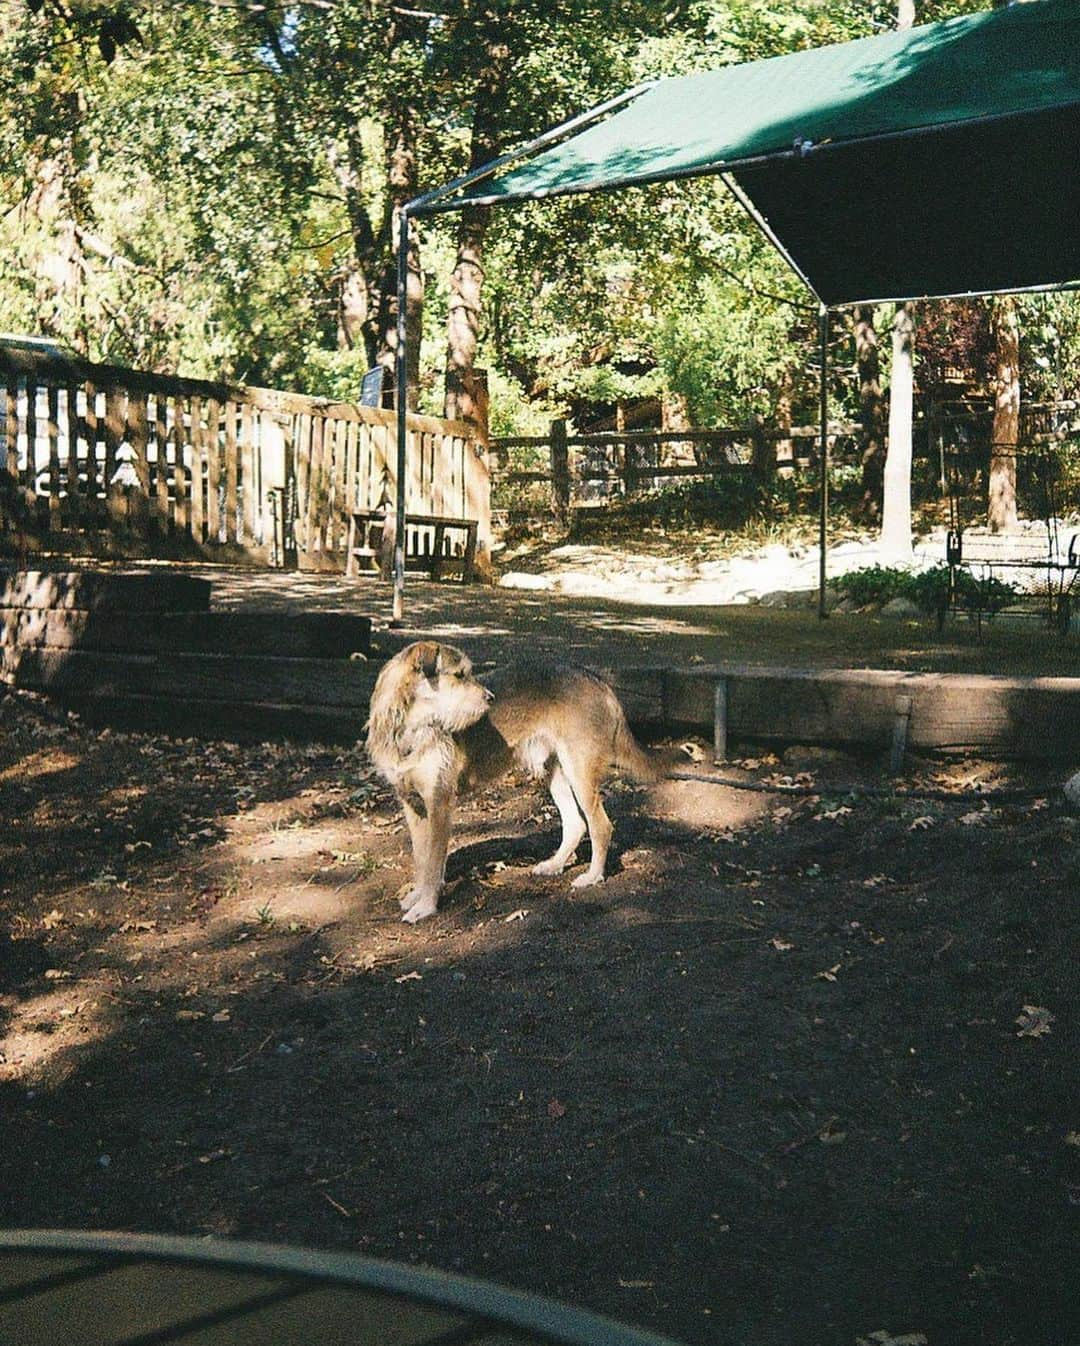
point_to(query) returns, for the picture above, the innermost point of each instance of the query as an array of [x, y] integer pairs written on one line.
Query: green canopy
[[940, 160]]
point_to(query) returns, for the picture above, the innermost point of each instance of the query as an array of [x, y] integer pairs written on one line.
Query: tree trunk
[[896, 505], [675, 415], [462, 398], [464, 315], [1005, 328], [871, 411], [401, 182], [785, 445], [896, 486], [357, 294], [60, 205]]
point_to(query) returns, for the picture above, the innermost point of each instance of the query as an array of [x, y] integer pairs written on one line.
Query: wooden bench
[[371, 539]]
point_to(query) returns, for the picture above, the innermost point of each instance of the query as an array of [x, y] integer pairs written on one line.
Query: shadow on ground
[[766, 1085]]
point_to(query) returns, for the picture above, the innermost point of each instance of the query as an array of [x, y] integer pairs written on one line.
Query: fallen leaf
[[188, 1016], [53, 919], [56, 974], [556, 1109], [221, 1017], [829, 974], [518, 915], [782, 944], [1034, 1021], [883, 1338], [921, 824], [409, 976]]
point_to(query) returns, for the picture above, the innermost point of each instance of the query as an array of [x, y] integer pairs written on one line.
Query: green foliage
[[728, 501], [725, 349], [928, 589], [195, 187]]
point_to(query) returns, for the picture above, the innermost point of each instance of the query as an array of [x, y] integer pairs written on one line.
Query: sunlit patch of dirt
[[43, 762]]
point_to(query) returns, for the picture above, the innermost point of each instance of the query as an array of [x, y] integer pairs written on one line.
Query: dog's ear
[[426, 658]]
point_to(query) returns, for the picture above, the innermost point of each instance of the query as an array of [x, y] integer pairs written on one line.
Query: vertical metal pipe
[[720, 721], [823, 394], [401, 404]]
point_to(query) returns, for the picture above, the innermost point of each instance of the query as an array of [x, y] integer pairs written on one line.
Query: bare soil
[[801, 1071]]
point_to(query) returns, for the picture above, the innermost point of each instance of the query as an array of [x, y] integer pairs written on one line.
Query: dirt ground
[[802, 1070]]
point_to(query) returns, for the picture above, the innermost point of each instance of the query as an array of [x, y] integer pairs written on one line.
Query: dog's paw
[[411, 898], [551, 866], [587, 880], [420, 910]]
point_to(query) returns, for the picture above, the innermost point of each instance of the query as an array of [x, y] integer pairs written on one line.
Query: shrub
[[927, 589]]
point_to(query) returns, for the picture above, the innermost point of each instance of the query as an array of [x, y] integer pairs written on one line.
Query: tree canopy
[[209, 188]]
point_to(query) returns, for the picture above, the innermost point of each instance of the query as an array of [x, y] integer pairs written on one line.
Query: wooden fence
[[590, 468], [584, 469], [109, 460]]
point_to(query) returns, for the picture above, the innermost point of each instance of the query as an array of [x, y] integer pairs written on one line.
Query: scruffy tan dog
[[434, 728]]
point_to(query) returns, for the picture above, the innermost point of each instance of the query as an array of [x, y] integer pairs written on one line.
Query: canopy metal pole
[[823, 395], [401, 404], [428, 203]]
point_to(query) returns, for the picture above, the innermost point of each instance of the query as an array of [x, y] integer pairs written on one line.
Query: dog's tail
[[632, 760]]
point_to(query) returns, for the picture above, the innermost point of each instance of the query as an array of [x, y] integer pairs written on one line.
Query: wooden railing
[[587, 468], [110, 460]]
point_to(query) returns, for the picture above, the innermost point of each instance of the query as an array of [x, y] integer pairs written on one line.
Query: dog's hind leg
[[584, 777], [573, 824]]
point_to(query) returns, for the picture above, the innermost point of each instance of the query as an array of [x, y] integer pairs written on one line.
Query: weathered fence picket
[[109, 459]]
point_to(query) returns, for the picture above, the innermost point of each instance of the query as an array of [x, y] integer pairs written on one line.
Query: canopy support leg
[[823, 399], [401, 405]]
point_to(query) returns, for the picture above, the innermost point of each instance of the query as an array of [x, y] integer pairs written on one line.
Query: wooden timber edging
[[1035, 719], [254, 696], [305, 635], [144, 647], [94, 591], [144, 651]]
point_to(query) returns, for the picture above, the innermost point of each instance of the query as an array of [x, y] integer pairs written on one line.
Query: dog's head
[[425, 684]]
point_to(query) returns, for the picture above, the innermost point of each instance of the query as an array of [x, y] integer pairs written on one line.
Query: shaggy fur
[[434, 728]]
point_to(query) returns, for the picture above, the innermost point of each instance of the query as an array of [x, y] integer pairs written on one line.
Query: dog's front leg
[[416, 819], [428, 820]]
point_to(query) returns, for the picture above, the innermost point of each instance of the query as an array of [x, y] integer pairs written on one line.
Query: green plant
[[874, 584], [929, 590], [265, 915]]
